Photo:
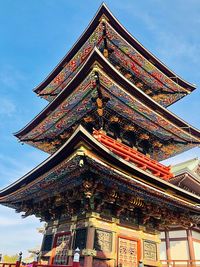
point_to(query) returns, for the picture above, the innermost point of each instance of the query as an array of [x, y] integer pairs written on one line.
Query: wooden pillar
[[168, 252], [88, 259], [70, 259], [190, 244]]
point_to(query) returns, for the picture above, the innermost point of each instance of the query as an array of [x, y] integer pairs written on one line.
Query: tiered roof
[[108, 82], [187, 175], [133, 107], [125, 53], [83, 152]]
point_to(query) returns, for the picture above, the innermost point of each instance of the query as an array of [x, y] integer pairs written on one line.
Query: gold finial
[[95, 68], [103, 19]]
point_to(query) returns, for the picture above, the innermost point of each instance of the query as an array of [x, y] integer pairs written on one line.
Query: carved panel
[[150, 251], [127, 253], [62, 242], [103, 240]]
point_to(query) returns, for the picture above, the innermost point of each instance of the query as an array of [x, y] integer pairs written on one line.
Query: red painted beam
[[134, 156]]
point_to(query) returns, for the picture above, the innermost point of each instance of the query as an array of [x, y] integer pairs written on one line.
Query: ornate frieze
[[89, 252], [132, 204]]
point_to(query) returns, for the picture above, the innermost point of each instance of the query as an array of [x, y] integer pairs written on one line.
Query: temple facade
[[106, 127]]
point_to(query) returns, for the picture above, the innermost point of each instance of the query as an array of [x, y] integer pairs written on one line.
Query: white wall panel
[[196, 235], [163, 255], [196, 250], [177, 234], [179, 250]]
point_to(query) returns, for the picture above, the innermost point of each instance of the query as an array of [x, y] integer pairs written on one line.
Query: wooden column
[[70, 260], [190, 244], [88, 259], [168, 252]]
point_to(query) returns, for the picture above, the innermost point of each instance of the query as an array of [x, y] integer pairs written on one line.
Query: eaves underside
[[96, 57], [81, 136], [103, 10]]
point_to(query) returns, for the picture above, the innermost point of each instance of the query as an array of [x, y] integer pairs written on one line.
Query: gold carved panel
[[103, 240], [150, 251]]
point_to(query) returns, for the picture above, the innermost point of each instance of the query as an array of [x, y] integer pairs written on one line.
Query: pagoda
[[106, 128]]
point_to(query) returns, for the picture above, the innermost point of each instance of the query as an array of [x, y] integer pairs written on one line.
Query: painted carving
[[150, 251], [103, 240]]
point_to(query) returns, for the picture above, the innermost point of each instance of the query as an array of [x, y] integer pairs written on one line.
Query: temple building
[[106, 127], [176, 242]]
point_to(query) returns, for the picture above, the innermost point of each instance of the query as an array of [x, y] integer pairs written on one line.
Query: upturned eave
[[97, 57], [81, 136], [104, 11]]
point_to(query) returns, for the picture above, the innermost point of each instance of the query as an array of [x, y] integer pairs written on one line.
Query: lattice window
[[127, 253], [62, 242]]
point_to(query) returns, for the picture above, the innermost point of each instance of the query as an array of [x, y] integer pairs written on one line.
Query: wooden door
[[61, 247], [128, 252]]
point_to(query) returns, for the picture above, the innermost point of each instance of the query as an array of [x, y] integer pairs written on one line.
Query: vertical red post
[[168, 252], [191, 247]]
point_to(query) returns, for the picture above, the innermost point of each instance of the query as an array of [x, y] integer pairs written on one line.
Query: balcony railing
[[140, 160]]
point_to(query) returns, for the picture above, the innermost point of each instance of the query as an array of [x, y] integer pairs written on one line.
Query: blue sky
[[36, 34]]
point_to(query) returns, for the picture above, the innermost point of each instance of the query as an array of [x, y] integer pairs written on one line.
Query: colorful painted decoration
[[81, 102], [162, 89], [102, 192], [68, 174], [72, 67]]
